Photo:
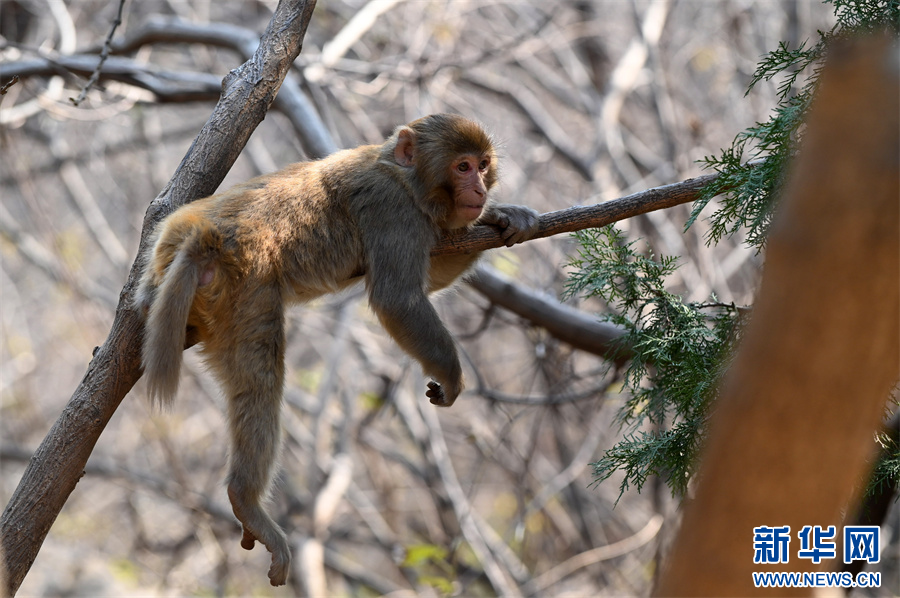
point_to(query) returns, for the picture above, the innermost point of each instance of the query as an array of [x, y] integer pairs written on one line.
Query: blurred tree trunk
[[792, 438], [58, 464]]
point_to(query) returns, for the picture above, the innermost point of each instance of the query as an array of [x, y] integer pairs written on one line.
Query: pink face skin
[[467, 175]]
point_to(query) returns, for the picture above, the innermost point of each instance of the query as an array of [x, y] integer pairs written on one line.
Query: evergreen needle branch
[[581, 217]]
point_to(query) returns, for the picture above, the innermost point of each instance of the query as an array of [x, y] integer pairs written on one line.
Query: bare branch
[[595, 555], [581, 217], [531, 106], [5, 87], [316, 140], [471, 527], [104, 55], [159, 29], [579, 329], [168, 86], [180, 87]]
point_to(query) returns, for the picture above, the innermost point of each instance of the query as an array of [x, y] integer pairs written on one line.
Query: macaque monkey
[[222, 269]]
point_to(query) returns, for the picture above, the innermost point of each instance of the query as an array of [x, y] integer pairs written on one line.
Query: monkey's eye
[[462, 167], [483, 165]]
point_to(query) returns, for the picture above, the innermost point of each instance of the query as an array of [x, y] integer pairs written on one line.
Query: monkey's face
[[471, 176]]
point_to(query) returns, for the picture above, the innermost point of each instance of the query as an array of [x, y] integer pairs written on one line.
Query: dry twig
[[95, 76]]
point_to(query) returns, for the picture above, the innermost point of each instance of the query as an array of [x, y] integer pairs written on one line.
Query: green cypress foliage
[[752, 168], [678, 350]]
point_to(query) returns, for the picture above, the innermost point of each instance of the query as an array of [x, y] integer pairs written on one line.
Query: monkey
[[222, 269]]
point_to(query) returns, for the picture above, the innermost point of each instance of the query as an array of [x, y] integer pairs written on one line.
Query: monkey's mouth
[[472, 211]]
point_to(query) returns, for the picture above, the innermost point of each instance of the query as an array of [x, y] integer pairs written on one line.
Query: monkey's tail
[[166, 330]]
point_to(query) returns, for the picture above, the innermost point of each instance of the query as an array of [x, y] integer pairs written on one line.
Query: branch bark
[[581, 217], [173, 87], [167, 86], [58, 464], [314, 137], [575, 327]]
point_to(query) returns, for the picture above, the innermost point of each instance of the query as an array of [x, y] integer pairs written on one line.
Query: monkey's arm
[[396, 280], [516, 223]]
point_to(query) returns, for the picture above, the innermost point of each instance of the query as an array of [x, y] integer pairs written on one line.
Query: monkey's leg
[[251, 365]]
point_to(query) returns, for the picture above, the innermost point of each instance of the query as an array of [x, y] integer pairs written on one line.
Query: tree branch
[[104, 56], [58, 464], [577, 328], [168, 86], [316, 140], [581, 217]]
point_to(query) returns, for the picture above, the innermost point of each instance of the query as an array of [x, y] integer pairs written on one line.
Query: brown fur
[[225, 267]]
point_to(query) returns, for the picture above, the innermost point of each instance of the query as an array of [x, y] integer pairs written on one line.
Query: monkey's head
[[455, 166]]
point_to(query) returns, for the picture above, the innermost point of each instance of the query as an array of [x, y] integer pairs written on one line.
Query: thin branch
[[595, 555], [577, 464], [473, 533], [580, 217], [93, 216], [315, 138], [44, 260], [353, 31], [167, 86], [542, 401], [532, 107], [95, 76], [164, 487], [5, 87], [159, 29], [363, 574], [173, 87], [572, 326]]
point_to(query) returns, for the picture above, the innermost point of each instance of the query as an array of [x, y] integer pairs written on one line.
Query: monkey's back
[[297, 231], [290, 229]]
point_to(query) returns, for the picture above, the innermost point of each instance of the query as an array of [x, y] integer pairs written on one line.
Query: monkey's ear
[[404, 153]]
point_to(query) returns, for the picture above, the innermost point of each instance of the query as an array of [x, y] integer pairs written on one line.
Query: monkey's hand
[[516, 223], [437, 395]]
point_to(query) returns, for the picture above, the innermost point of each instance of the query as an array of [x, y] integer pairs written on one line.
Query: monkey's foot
[[258, 526], [281, 556], [278, 571]]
